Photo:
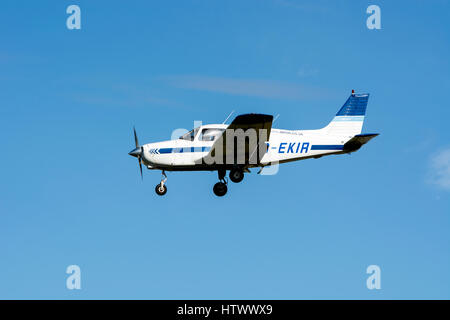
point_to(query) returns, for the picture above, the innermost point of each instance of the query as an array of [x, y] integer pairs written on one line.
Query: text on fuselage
[[293, 147]]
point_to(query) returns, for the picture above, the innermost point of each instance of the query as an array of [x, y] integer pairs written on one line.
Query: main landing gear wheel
[[236, 175], [220, 189], [160, 189]]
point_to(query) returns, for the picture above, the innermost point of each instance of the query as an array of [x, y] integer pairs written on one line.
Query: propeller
[[137, 152]]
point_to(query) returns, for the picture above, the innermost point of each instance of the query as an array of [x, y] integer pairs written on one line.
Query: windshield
[[190, 135]]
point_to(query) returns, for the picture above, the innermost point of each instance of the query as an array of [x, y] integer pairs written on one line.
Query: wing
[[243, 142]]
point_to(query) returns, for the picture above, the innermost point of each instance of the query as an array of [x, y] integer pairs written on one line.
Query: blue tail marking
[[355, 105]]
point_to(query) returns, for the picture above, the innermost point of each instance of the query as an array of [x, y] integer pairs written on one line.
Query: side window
[[210, 134], [192, 135]]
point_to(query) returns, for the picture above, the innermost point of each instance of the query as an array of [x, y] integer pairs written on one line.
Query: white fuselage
[[283, 146]]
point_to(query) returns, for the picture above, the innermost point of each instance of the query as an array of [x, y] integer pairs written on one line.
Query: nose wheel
[[161, 188]]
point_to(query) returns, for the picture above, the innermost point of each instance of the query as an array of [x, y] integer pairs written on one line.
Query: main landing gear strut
[[161, 188]]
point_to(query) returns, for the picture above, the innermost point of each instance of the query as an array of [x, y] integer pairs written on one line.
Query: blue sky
[[70, 194]]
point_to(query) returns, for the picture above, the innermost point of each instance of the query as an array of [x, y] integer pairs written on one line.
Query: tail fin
[[350, 118]]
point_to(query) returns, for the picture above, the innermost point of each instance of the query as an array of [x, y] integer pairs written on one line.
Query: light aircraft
[[249, 141]]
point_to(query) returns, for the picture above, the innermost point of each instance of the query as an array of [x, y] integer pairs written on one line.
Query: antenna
[[276, 117], [228, 117]]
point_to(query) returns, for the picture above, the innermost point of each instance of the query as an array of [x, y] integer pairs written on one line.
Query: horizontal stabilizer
[[357, 141]]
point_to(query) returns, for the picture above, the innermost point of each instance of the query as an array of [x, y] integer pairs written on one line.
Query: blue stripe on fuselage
[[179, 150], [327, 147]]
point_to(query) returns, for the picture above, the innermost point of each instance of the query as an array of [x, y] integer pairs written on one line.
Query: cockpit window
[[211, 134], [190, 135]]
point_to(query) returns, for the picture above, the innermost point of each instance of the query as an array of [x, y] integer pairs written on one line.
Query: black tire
[[160, 191], [220, 189], [236, 175]]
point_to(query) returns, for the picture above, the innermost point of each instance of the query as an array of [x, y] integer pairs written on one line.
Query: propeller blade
[[136, 141], [137, 152]]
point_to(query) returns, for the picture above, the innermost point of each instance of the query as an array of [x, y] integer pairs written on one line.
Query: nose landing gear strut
[[161, 188]]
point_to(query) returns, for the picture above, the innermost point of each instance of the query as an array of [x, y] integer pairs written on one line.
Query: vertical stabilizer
[[350, 118]]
